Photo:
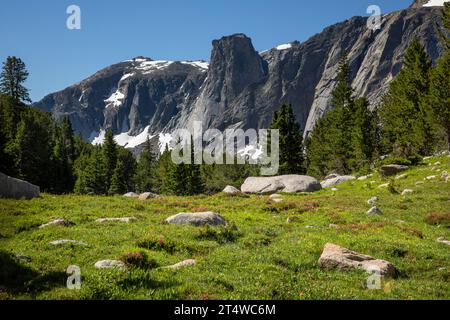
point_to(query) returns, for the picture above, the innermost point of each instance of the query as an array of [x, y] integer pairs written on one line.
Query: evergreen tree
[[291, 141], [163, 170], [118, 180], [407, 121], [95, 175], [109, 150], [146, 169], [12, 77], [196, 184]]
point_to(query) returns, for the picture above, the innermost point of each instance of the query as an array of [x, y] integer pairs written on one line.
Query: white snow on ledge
[[124, 139], [284, 46], [435, 3], [115, 99], [199, 64]]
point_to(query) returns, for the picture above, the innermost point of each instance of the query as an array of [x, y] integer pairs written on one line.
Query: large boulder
[[340, 258], [328, 183], [287, 183], [197, 219], [16, 188], [392, 169]]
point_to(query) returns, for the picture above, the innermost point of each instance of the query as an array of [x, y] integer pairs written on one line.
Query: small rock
[[131, 195], [426, 158], [383, 185], [430, 178], [401, 176], [406, 191], [57, 222], [231, 190], [372, 201], [148, 195], [443, 240], [334, 189], [109, 264], [437, 163], [374, 211], [340, 258], [22, 258], [333, 226], [66, 241], [335, 181], [362, 178], [311, 227], [275, 195], [418, 183], [197, 219], [392, 169], [277, 200], [331, 176], [182, 264], [126, 219]]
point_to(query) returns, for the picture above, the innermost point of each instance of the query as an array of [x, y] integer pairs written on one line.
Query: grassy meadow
[[259, 256]]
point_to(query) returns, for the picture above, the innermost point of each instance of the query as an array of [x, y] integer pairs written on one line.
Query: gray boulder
[[148, 195], [67, 241], [392, 169], [57, 222], [231, 190], [197, 219], [16, 188], [109, 264], [286, 183], [339, 258], [182, 264], [131, 195], [335, 181], [125, 219], [374, 211]]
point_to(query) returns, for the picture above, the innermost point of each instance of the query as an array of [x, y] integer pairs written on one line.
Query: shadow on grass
[[19, 278]]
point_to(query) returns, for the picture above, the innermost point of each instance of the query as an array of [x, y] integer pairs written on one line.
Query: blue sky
[[112, 31]]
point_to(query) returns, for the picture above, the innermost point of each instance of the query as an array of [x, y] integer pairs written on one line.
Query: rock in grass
[[287, 183], [131, 195], [406, 191], [109, 264], [333, 226], [372, 201], [392, 169], [374, 211], [148, 195], [331, 176], [197, 219], [339, 258], [335, 181], [277, 200], [401, 176], [17, 189], [430, 178], [126, 219], [23, 258], [275, 196], [384, 185], [231, 190], [182, 264], [57, 222], [443, 240], [67, 241]]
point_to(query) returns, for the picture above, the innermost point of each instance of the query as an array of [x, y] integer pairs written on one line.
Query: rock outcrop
[[286, 183], [197, 219], [328, 183], [16, 188], [392, 169], [340, 258]]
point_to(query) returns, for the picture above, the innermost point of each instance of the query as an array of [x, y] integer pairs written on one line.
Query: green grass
[[262, 257]]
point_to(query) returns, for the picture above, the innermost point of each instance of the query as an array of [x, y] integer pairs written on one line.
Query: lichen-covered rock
[[197, 219], [286, 183], [340, 258]]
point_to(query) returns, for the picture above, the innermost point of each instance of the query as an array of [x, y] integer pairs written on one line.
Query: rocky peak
[[419, 3], [235, 64]]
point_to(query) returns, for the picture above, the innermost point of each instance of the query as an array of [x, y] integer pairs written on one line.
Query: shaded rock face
[[197, 219], [339, 258], [287, 183], [242, 88], [16, 188]]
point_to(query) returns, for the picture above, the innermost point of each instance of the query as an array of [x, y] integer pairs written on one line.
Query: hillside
[[271, 253]]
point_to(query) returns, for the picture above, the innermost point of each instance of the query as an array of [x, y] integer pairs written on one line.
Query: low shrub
[[222, 234], [438, 219], [138, 259], [157, 243]]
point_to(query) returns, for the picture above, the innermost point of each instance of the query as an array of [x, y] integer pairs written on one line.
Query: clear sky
[[112, 31]]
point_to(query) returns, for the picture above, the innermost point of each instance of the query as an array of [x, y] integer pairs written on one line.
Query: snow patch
[[124, 139], [435, 3], [199, 64], [126, 76], [147, 67], [164, 142], [115, 99], [99, 138], [284, 46]]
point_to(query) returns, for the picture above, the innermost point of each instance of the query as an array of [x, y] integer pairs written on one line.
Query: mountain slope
[[241, 88]]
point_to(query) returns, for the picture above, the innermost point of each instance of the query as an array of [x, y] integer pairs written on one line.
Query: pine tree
[[109, 150], [95, 174], [196, 184], [406, 119], [291, 141], [12, 77], [118, 180], [146, 169], [164, 168]]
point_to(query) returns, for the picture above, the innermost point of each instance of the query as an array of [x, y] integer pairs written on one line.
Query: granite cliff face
[[241, 88]]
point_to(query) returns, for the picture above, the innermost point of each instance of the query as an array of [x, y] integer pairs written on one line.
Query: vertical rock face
[[241, 88], [17, 189]]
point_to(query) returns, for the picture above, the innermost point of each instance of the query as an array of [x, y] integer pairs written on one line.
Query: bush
[[392, 187], [138, 260], [223, 234], [157, 243], [396, 160], [438, 219]]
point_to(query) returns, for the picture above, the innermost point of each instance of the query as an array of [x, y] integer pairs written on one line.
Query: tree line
[[413, 120]]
